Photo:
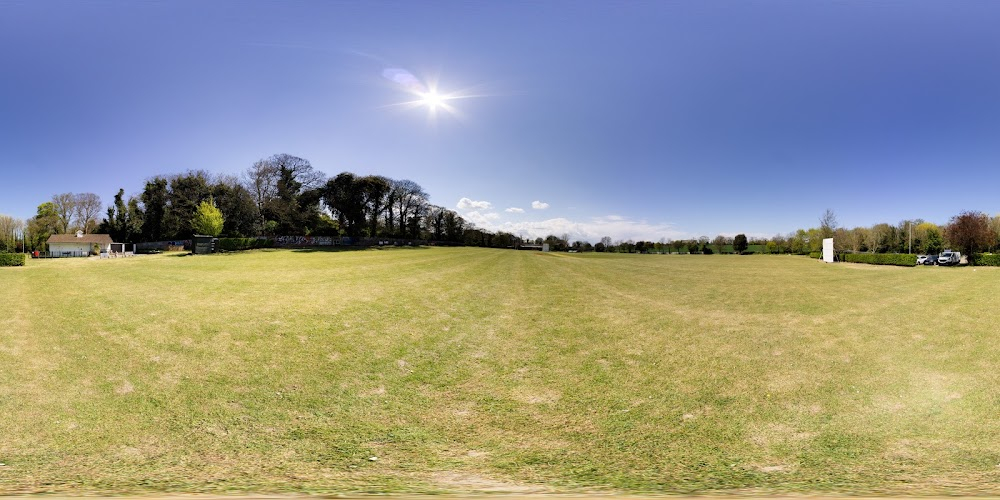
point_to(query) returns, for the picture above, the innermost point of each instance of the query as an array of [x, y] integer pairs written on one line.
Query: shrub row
[[884, 259], [11, 259], [815, 255], [985, 259], [236, 244]]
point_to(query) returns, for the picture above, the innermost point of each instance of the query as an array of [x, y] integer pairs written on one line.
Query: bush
[[237, 244], [815, 255], [985, 259], [883, 259], [11, 259]]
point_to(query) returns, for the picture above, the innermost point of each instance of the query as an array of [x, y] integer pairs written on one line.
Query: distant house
[[79, 244]]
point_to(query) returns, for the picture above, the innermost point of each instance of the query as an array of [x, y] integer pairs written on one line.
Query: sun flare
[[425, 94], [432, 99]]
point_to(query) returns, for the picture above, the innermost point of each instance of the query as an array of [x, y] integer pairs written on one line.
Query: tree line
[[286, 195], [969, 232], [278, 195]]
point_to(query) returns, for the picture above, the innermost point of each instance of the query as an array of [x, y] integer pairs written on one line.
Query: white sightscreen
[[828, 250]]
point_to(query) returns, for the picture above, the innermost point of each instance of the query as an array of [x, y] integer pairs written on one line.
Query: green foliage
[[239, 210], [985, 259], [11, 259], [815, 255], [124, 219], [884, 259], [185, 197], [207, 219], [740, 243], [154, 201], [933, 243], [237, 244], [42, 225]]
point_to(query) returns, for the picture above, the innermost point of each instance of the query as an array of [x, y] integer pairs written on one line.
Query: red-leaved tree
[[969, 232]]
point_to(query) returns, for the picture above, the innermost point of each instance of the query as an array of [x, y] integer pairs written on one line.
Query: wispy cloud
[[539, 205], [467, 204], [514, 210], [592, 230]]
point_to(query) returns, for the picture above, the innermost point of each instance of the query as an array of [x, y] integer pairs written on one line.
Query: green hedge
[[815, 255], [883, 259], [237, 244], [11, 259], [985, 259]]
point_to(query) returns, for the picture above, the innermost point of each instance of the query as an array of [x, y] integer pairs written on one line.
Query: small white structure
[[545, 247], [78, 245], [119, 250], [827, 249]]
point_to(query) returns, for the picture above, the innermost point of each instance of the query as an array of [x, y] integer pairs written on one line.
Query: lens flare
[[432, 99], [426, 93]]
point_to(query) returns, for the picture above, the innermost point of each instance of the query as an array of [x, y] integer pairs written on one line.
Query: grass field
[[490, 370]]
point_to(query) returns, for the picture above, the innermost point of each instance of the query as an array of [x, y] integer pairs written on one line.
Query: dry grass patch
[[468, 370]]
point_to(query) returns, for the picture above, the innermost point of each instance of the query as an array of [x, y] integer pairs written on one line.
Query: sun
[[432, 99], [428, 96]]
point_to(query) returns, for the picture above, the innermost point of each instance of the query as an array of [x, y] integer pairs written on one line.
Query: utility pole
[[909, 224]]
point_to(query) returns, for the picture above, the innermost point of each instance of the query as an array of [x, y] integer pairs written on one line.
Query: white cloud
[[481, 220], [539, 205], [467, 204], [514, 210]]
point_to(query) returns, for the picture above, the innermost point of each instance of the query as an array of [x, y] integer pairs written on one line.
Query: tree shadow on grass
[[330, 249], [356, 248]]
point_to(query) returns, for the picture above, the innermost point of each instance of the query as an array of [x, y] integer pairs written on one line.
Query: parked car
[[921, 259], [949, 258], [931, 260]]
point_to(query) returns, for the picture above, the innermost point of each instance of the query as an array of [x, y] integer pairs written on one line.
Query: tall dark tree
[[435, 222], [135, 218], [409, 201], [343, 197], [740, 243], [374, 196], [186, 193], [454, 226], [124, 219], [238, 207], [155, 210], [284, 208], [115, 219], [46, 222]]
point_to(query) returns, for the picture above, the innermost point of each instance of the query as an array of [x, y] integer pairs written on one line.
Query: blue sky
[[641, 120]]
